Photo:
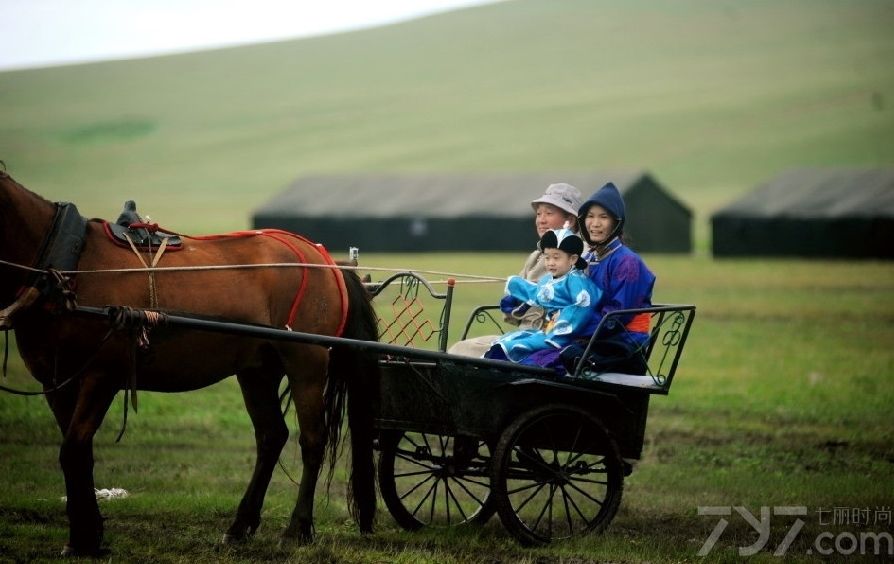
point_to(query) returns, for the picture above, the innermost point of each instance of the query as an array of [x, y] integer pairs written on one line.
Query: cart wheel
[[556, 474], [431, 480]]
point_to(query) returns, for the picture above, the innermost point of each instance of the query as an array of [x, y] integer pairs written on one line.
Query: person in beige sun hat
[[556, 208]]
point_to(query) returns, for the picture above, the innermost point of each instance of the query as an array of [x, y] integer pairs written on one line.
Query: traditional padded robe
[[627, 283], [568, 301]]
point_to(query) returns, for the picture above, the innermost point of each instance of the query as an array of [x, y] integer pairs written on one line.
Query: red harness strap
[[150, 227], [283, 237], [289, 240]]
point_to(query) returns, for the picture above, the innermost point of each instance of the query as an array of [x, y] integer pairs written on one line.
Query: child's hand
[[520, 311], [508, 304]]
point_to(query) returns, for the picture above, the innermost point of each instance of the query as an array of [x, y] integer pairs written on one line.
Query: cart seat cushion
[[646, 383]]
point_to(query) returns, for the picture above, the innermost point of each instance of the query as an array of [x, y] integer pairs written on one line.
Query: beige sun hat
[[562, 195]]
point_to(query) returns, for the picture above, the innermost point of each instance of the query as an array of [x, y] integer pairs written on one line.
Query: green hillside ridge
[[710, 96]]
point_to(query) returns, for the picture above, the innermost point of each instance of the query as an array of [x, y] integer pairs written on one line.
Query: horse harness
[[131, 231], [59, 252]]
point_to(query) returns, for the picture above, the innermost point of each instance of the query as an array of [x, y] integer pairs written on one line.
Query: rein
[[470, 278], [45, 279], [130, 384], [65, 382]]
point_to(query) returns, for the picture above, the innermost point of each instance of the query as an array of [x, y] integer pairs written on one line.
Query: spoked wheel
[[430, 480], [556, 474]]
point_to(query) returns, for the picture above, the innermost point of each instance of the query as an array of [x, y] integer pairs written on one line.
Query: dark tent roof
[[811, 193], [384, 212], [823, 212]]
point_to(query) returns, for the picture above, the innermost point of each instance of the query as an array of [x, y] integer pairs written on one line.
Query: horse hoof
[[292, 542], [229, 539], [69, 551]]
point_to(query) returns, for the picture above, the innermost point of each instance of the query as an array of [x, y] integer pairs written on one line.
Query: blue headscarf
[[609, 198]]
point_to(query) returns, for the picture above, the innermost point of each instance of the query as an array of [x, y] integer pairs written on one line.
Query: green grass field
[[784, 392], [782, 399]]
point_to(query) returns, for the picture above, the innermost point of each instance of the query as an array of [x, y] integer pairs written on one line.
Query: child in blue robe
[[565, 293]]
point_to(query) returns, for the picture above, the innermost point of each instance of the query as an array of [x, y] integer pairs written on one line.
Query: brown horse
[[57, 345]]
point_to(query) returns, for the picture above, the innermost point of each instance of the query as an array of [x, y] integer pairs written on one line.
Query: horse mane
[[6, 176]]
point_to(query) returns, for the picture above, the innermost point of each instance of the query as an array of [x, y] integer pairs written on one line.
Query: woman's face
[[599, 224], [548, 216]]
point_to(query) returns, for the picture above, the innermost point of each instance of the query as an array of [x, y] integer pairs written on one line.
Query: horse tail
[[354, 373]]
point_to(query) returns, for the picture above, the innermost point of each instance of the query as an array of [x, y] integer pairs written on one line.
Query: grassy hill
[[711, 96]]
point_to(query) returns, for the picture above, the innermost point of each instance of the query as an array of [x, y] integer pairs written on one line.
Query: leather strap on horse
[[139, 323], [61, 248], [153, 294]]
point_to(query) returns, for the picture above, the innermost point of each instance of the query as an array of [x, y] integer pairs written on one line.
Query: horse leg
[[62, 404], [259, 390], [76, 458], [307, 393]]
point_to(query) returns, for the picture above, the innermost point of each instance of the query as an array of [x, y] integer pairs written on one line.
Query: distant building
[[822, 213], [460, 212]]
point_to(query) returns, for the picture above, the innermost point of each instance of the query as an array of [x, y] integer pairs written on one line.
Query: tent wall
[[843, 237], [460, 212], [656, 223], [398, 234], [820, 212]]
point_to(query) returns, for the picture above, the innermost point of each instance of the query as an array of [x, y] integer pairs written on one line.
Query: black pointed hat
[[564, 240]]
